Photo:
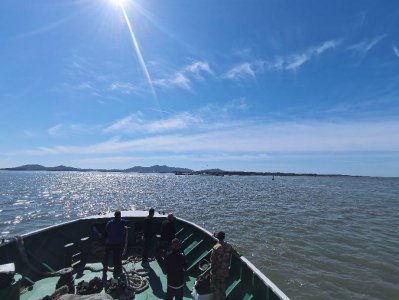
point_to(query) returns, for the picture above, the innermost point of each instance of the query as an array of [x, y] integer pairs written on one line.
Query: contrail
[[138, 52]]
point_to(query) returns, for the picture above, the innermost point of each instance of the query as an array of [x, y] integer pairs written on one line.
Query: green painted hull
[[46, 252]]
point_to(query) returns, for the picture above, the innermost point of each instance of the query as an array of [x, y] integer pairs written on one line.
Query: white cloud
[[241, 71], [84, 86], [280, 63], [250, 138], [325, 46], [67, 129], [55, 129], [277, 64], [178, 80], [99, 160], [102, 159], [294, 61], [184, 77], [396, 51], [136, 123], [199, 67], [366, 45], [238, 104], [123, 87], [179, 121]]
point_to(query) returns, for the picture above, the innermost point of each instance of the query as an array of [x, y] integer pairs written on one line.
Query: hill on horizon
[[137, 169]]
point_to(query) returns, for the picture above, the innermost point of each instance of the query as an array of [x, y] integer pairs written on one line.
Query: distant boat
[[63, 256]]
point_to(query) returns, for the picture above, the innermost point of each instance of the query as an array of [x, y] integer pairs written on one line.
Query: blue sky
[[290, 86]]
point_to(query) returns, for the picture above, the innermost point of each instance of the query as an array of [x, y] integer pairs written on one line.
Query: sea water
[[314, 237]]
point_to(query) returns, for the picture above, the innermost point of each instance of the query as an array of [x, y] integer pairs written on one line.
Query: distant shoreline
[[163, 169]]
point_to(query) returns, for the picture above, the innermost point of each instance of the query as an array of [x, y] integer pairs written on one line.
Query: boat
[[36, 265]]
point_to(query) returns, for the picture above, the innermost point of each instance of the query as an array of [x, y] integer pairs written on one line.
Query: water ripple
[[315, 237]]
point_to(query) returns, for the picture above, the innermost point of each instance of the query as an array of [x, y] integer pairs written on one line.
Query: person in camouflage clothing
[[220, 264]]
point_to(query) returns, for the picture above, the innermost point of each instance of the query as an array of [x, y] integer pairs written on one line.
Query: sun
[[117, 2]]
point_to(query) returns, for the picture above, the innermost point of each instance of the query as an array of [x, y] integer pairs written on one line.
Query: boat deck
[[155, 290]]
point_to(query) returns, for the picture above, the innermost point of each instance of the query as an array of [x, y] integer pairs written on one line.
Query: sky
[[248, 85]]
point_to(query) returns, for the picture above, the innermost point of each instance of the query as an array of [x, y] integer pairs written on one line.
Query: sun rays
[[138, 51], [121, 4]]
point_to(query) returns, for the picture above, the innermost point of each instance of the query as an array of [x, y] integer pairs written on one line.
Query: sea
[[323, 237]]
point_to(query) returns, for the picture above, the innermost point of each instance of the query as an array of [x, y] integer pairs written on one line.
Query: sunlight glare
[[117, 2]]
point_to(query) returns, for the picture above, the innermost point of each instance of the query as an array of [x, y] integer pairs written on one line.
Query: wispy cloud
[[180, 121], [82, 67], [240, 104], [290, 62], [85, 86], [178, 80], [137, 123], [366, 45], [198, 68], [52, 25], [215, 116], [30, 133], [295, 61], [109, 159], [55, 129], [395, 50], [252, 138], [62, 129], [184, 77], [123, 87], [242, 71]]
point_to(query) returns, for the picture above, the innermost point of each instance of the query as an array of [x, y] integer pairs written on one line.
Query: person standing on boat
[[176, 266], [220, 264], [149, 234], [115, 230], [168, 231]]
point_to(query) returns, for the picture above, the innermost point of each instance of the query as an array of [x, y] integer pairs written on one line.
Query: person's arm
[[163, 231], [185, 263], [144, 228], [106, 231], [235, 252], [125, 224], [213, 259]]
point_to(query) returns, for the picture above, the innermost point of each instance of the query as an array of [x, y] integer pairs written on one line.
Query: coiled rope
[[136, 278]]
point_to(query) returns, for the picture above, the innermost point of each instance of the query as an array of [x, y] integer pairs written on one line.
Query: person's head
[[171, 217], [220, 236], [151, 212], [175, 244], [117, 214]]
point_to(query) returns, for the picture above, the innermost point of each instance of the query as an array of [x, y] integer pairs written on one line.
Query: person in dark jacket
[[115, 230], [168, 232], [149, 233], [176, 265]]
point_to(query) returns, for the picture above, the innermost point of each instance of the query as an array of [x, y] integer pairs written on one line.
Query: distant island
[[137, 169], [161, 169]]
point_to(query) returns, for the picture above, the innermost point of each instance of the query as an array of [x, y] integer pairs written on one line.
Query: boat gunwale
[[254, 269]]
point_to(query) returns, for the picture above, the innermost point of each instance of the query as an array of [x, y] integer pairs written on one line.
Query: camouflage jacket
[[220, 259]]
